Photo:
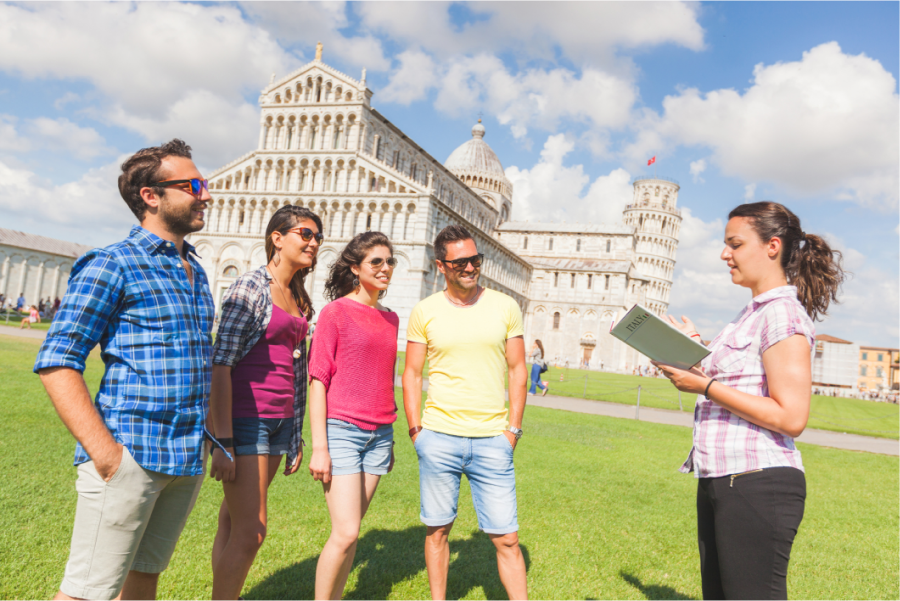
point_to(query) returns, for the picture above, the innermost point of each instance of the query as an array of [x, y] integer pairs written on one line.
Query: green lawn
[[603, 514]]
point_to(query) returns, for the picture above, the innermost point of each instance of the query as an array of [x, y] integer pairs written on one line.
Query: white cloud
[[749, 192], [581, 31], [54, 135], [88, 210], [412, 81], [698, 167], [826, 124], [551, 191]]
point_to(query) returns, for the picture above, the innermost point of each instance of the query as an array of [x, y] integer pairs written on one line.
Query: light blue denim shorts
[[261, 435], [486, 462], [355, 450]]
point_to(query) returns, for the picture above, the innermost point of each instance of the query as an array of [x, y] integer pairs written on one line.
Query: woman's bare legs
[[243, 513], [348, 499]]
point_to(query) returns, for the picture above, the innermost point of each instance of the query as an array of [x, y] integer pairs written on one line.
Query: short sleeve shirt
[[466, 361], [725, 443]]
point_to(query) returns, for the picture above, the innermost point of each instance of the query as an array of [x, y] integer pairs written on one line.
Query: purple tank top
[[262, 383]]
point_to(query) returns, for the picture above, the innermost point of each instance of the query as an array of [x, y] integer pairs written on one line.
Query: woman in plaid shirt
[[755, 389], [258, 396]]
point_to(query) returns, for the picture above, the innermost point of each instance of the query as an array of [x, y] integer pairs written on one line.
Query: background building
[[35, 265], [323, 146], [878, 368], [835, 363]]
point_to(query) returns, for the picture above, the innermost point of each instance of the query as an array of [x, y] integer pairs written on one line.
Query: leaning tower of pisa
[[657, 222]]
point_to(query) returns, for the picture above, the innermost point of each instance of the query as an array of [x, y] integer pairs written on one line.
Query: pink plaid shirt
[[724, 443]]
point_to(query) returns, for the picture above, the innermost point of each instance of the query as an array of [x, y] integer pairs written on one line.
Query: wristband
[[413, 431], [706, 392], [695, 334]]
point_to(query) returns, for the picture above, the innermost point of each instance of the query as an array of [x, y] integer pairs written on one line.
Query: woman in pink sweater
[[351, 407]]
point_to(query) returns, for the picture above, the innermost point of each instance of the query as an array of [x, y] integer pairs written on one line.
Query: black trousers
[[746, 525]]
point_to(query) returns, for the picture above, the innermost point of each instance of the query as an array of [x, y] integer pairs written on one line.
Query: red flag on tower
[[651, 161]]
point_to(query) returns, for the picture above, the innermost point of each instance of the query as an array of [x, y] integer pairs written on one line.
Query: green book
[[644, 331]]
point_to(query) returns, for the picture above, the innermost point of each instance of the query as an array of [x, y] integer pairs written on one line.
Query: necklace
[[468, 304], [296, 353]]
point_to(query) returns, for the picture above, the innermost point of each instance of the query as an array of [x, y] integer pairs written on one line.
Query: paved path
[[15, 331], [823, 438]]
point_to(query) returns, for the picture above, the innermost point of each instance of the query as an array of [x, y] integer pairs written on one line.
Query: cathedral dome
[[475, 156]]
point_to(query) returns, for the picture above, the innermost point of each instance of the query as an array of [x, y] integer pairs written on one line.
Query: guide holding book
[[755, 389]]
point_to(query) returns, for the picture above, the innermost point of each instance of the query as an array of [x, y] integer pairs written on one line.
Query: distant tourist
[[34, 316], [20, 302], [352, 407], [141, 450], [755, 392], [537, 368], [471, 337], [258, 397]]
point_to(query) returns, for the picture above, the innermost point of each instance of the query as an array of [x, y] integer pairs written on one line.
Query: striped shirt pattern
[[246, 313], [133, 298], [724, 443]]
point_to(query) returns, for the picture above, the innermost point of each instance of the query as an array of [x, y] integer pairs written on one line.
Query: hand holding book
[[663, 340]]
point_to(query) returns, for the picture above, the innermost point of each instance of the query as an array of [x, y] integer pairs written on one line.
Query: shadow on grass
[[389, 557], [652, 591]]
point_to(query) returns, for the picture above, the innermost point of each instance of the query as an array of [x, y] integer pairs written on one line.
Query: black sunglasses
[[460, 264], [378, 262], [307, 234], [197, 184]]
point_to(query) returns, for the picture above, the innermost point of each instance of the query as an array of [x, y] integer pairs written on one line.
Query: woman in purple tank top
[[258, 396]]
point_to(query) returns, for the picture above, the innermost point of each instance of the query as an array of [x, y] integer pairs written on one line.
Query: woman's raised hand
[[686, 325], [320, 466]]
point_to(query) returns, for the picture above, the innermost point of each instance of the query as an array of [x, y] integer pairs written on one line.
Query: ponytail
[[808, 261]]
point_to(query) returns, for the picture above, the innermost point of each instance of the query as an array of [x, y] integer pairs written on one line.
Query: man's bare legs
[[348, 499], [510, 562], [138, 585]]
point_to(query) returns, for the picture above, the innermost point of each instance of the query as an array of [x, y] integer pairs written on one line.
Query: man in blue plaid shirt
[[140, 452]]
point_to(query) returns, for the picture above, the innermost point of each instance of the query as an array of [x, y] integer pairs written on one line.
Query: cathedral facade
[[323, 146]]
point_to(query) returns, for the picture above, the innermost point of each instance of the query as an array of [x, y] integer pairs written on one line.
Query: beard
[[457, 281], [178, 219]]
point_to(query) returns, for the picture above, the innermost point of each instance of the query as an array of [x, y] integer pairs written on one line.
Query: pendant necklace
[[296, 354], [468, 304]]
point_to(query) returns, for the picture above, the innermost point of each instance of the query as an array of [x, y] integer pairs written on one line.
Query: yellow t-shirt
[[466, 361]]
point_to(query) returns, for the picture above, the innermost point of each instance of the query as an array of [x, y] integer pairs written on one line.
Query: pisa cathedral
[[323, 146]]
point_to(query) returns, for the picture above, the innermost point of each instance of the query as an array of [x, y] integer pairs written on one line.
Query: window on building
[[337, 138], [525, 242], [865, 357], [241, 218], [556, 320], [312, 138], [368, 222], [555, 280], [379, 150], [863, 370], [608, 245], [578, 245], [396, 160], [590, 279], [879, 372], [230, 272], [573, 281], [880, 357], [550, 244], [606, 283]]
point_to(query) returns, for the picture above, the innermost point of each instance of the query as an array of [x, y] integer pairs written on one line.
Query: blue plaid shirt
[[154, 330]]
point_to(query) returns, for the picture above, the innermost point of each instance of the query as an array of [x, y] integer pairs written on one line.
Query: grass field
[[602, 510]]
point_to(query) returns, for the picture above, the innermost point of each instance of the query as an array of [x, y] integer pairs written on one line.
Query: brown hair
[[142, 169], [451, 233], [340, 278], [540, 346], [808, 261], [284, 219]]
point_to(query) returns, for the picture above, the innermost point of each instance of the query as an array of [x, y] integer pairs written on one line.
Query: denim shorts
[[261, 435], [354, 450], [486, 462]]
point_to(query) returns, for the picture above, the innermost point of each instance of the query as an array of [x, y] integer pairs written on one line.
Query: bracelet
[[695, 334], [706, 392], [413, 431]]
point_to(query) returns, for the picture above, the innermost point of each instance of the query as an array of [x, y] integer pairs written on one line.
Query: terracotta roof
[[42, 244], [878, 348], [827, 338]]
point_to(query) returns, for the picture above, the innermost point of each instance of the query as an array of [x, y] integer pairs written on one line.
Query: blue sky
[[795, 102]]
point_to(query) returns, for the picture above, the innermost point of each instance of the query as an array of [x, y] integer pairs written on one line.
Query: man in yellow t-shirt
[[471, 337]]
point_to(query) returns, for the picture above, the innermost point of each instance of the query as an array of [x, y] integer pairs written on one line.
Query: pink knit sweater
[[353, 352]]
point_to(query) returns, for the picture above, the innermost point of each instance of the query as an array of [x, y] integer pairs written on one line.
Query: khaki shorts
[[131, 522]]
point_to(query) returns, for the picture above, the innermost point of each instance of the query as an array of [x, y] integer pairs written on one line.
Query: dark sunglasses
[[307, 234], [377, 263], [197, 184], [460, 264]]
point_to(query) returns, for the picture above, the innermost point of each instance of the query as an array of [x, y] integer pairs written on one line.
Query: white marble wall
[[37, 274]]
